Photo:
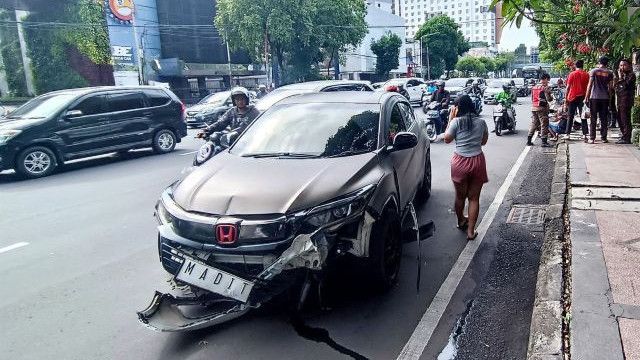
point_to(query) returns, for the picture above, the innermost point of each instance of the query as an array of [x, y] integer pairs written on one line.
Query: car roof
[[341, 97], [88, 90], [318, 85]]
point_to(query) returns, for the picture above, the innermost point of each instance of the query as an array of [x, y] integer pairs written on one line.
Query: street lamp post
[[427, 50]]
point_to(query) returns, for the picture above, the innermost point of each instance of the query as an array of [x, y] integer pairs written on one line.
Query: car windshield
[[495, 84], [312, 130], [215, 98], [456, 82], [42, 106], [277, 95]]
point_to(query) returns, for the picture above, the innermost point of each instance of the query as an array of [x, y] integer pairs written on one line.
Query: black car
[[316, 177], [210, 108], [70, 124]]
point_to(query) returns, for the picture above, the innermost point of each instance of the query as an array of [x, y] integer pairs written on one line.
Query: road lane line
[[14, 246], [424, 330], [188, 153]]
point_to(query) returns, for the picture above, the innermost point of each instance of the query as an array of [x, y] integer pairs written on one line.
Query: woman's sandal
[[475, 235], [463, 226]]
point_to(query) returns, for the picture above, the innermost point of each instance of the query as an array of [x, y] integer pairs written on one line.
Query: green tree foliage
[[584, 29], [503, 63], [12, 56], [298, 34], [48, 47], [387, 50], [445, 41], [469, 65]]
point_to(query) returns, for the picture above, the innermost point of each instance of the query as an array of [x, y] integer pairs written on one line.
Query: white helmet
[[239, 90]]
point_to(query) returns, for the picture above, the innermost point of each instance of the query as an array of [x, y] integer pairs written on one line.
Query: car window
[[396, 124], [157, 97], [317, 129], [407, 114], [125, 101], [42, 106], [94, 104], [414, 82]]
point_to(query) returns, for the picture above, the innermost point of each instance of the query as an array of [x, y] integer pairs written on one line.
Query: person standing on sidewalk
[[598, 97], [625, 86], [468, 165], [576, 90], [541, 97]]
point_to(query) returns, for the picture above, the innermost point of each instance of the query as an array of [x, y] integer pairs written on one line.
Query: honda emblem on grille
[[226, 233]]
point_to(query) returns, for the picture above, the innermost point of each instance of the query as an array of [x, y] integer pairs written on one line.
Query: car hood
[[233, 186], [19, 124], [205, 108], [454, 89]]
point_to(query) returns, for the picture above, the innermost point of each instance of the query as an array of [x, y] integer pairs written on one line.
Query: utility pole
[[428, 65], [138, 47], [229, 61]]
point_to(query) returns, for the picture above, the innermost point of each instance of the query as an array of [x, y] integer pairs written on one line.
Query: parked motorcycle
[[216, 143], [504, 118], [436, 114]]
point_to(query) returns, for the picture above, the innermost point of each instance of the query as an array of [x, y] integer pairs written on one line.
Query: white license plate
[[209, 278]]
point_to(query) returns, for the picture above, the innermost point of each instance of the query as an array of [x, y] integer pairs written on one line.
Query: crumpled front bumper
[[171, 313]]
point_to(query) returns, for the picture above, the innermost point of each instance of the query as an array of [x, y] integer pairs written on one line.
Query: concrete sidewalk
[[605, 244]]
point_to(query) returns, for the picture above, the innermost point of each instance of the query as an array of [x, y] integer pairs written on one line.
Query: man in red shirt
[[574, 101]]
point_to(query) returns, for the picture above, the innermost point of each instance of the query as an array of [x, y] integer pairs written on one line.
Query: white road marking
[[188, 153], [424, 330], [14, 246]]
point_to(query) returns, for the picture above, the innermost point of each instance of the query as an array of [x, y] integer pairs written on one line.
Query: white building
[[361, 61], [477, 22]]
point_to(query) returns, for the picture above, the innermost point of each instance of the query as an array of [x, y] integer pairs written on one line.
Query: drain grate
[[526, 214]]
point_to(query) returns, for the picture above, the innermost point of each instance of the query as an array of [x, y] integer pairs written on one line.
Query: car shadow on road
[[88, 163]]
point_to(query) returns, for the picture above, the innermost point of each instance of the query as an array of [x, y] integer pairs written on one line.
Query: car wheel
[[164, 141], [385, 252], [36, 161], [425, 188]]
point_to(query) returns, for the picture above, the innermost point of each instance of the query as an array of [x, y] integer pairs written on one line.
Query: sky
[[512, 37]]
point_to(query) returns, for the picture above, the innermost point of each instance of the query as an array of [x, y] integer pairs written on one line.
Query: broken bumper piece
[[167, 313]]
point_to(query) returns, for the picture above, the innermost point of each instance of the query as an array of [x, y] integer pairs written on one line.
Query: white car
[[416, 88]]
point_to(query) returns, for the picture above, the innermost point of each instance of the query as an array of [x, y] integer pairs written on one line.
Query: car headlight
[[162, 214], [6, 135], [339, 209]]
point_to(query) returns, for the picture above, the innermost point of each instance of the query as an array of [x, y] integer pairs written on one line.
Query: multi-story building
[[361, 61], [478, 22]]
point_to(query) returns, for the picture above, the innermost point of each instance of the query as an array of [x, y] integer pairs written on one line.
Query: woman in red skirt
[[468, 166]]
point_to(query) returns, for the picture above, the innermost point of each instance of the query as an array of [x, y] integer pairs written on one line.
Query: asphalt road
[[91, 262]]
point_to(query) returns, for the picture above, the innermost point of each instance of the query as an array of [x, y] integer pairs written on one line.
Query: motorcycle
[[504, 118], [476, 98], [216, 143], [436, 114]]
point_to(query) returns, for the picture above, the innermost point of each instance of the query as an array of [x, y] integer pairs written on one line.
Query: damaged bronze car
[[316, 177]]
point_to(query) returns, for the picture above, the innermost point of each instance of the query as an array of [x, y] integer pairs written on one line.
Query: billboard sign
[[121, 10]]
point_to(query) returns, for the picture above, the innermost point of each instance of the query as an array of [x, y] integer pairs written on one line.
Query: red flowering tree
[[572, 29]]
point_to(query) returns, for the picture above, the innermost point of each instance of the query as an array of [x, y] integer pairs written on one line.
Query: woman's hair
[[466, 111]]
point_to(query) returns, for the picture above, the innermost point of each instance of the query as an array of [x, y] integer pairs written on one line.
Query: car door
[[417, 155], [84, 126], [130, 119], [401, 160], [415, 89]]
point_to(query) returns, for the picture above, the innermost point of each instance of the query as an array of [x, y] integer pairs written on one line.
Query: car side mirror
[[72, 114], [404, 140]]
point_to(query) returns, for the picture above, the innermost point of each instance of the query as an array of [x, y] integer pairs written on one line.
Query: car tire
[[424, 192], [164, 141], [385, 252], [36, 162]]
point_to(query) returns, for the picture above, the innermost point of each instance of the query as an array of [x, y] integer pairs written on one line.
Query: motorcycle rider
[[506, 99], [238, 117], [262, 91], [441, 96], [475, 89]]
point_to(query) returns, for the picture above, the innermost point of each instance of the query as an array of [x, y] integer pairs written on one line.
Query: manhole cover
[[526, 214]]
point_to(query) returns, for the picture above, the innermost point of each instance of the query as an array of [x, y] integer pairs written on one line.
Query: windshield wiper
[[281, 154], [349, 153]]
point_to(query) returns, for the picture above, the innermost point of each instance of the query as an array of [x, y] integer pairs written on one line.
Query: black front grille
[[248, 234]]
